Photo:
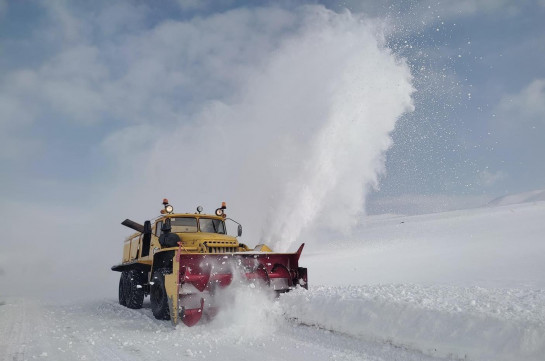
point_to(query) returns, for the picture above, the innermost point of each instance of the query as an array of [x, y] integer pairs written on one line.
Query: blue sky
[[67, 70]]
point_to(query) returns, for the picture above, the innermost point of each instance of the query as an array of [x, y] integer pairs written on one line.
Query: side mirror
[[147, 227], [239, 230]]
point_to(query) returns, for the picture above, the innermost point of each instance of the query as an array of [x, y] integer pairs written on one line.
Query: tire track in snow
[[357, 347], [13, 331], [103, 339]]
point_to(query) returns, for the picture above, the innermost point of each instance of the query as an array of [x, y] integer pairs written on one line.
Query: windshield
[[209, 225], [184, 225]]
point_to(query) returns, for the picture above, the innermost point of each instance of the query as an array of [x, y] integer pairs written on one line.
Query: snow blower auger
[[182, 260]]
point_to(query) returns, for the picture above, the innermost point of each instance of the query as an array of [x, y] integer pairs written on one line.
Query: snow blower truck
[[184, 260]]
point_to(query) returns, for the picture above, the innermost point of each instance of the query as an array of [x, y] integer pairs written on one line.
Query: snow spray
[[247, 309], [337, 153], [301, 139]]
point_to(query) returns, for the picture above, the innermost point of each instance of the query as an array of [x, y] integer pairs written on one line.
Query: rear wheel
[[122, 292], [158, 295], [134, 289]]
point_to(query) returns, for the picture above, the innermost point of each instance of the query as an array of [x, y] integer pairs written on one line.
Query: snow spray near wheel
[[248, 311]]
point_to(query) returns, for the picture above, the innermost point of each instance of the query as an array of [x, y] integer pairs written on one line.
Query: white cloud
[[526, 106], [131, 142], [71, 85], [17, 113], [70, 28], [145, 77]]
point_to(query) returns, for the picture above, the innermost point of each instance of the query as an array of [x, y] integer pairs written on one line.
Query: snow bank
[[474, 323], [491, 247]]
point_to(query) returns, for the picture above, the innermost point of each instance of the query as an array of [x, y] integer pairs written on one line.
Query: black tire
[[134, 289], [158, 295], [122, 293]]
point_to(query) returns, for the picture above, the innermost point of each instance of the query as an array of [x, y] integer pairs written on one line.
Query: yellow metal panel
[[262, 248], [172, 290], [126, 251], [134, 248]]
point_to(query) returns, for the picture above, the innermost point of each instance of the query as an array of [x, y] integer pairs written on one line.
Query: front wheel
[[158, 295]]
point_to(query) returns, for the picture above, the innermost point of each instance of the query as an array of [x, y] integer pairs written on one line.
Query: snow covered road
[[383, 322], [32, 330]]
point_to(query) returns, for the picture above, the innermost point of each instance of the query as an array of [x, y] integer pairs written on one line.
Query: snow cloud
[[284, 114]]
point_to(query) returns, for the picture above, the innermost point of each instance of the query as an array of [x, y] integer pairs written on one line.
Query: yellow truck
[[181, 260]]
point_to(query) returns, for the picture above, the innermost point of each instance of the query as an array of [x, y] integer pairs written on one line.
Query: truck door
[[135, 245]]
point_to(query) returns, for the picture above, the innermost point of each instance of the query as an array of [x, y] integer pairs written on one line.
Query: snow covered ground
[[466, 284]]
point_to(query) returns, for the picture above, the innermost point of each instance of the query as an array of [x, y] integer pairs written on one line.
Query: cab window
[[184, 224], [210, 225], [158, 226]]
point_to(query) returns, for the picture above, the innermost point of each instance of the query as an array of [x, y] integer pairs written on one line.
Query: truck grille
[[221, 249]]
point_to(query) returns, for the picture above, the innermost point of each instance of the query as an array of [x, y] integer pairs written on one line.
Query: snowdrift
[[492, 247], [466, 323], [465, 284]]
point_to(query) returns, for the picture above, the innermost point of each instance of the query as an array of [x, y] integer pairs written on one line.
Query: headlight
[[169, 208], [219, 212]]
